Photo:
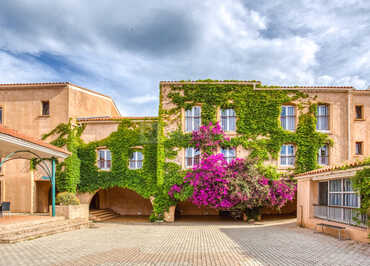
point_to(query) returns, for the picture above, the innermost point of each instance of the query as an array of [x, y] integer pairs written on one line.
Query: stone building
[[35, 109]]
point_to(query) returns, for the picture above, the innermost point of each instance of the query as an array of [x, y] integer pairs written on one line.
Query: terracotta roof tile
[[115, 118], [345, 165], [16, 134]]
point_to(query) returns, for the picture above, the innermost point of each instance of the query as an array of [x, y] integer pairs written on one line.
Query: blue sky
[[124, 48]]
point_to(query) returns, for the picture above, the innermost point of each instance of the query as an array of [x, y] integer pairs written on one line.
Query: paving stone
[[187, 244]]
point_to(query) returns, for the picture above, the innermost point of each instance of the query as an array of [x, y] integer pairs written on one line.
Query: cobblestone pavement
[[187, 244]]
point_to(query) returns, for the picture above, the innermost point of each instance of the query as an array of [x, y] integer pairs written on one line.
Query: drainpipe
[[349, 108]]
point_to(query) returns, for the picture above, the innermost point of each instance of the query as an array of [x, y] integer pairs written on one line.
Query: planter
[[72, 211]]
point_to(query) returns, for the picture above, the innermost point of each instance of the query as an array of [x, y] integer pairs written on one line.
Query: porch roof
[[13, 141]]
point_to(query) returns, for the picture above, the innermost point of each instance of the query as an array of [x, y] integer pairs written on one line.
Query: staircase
[[102, 215], [27, 231]]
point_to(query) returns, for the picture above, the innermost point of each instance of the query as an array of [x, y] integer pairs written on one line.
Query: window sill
[[44, 116], [104, 169], [359, 119], [324, 131]]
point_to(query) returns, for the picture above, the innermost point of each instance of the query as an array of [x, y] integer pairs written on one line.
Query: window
[[323, 156], [45, 108], [192, 157], [192, 119], [287, 155], [136, 161], [1, 115], [322, 117], [228, 120], [359, 112], [104, 159], [342, 194], [229, 154], [287, 117], [323, 193], [359, 148]]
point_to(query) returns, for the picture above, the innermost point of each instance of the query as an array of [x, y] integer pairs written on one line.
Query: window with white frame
[[104, 159], [341, 193], [287, 155], [229, 154], [136, 161], [322, 117], [192, 157], [192, 118], [287, 117], [323, 156], [228, 119]]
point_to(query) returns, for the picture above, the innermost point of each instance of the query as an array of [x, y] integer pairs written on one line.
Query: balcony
[[343, 215]]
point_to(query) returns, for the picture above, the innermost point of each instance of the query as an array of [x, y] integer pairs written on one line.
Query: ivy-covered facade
[[286, 130]]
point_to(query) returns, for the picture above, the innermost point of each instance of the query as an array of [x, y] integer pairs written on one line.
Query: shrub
[[67, 198]]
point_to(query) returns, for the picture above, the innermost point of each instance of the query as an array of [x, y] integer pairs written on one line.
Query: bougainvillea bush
[[218, 184]]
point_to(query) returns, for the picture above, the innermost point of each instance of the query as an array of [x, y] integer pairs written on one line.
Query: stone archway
[[120, 200]]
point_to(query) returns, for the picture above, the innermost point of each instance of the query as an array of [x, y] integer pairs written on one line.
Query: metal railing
[[343, 215]]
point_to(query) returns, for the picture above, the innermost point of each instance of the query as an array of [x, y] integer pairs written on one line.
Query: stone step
[[35, 227], [72, 225], [101, 215], [99, 211], [30, 223]]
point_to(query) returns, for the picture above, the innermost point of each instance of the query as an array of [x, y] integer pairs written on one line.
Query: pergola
[[14, 145]]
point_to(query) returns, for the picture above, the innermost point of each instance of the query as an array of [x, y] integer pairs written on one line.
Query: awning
[[13, 141]]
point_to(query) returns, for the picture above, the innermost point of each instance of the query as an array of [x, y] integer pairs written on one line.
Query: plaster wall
[[124, 202], [22, 111]]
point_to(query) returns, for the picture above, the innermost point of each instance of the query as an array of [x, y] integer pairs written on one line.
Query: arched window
[[136, 161]]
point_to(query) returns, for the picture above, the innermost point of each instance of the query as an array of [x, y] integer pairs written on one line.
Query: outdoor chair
[[4, 208]]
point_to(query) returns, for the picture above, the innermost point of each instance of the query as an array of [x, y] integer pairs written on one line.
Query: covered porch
[[326, 197], [20, 147]]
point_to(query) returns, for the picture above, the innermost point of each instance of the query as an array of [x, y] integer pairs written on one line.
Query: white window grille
[[323, 156], [104, 159], [192, 118], [136, 161], [322, 117], [287, 155], [287, 117], [228, 120], [192, 157], [229, 154]]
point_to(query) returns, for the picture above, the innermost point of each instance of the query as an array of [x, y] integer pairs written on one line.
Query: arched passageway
[[126, 203]]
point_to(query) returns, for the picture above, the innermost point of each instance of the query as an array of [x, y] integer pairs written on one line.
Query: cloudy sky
[[124, 48]]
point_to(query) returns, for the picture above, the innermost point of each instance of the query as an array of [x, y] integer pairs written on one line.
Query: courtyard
[[274, 242]]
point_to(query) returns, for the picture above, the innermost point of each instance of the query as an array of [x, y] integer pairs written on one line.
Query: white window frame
[[229, 153], [228, 120], [193, 152], [107, 164], [288, 119], [342, 193], [135, 162], [287, 155], [320, 156], [191, 117], [320, 116]]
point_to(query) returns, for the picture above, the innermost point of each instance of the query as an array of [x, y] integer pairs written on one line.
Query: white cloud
[[126, 53]]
